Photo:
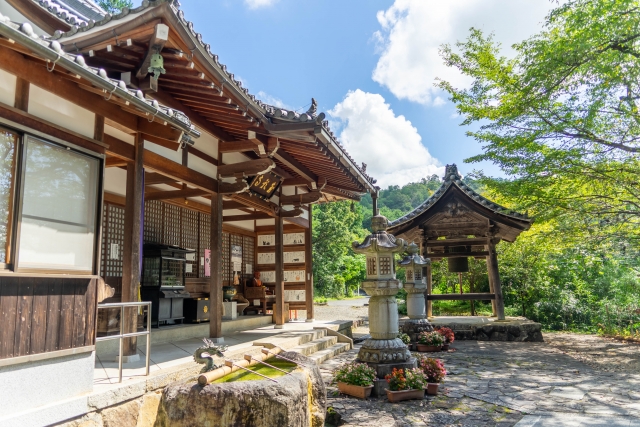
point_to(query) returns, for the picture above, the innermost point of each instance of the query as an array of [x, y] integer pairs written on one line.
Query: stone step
[[288, 340], [315, 345], [323, 355]]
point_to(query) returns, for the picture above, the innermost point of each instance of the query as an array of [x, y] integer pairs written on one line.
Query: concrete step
[[323, 355], [315, 345]]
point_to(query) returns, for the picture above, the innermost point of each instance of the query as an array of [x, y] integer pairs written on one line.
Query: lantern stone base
[[413, 327], [383, 351]]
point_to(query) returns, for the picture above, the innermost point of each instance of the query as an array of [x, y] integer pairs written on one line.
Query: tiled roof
[[452, 177], [74, 12], [53, 53], [268, 111]]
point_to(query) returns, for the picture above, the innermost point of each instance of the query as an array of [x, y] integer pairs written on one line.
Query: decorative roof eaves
[[452, 177], [52, 52]]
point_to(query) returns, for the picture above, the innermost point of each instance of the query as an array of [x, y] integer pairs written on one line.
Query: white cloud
[[272, 100], [389, 144], [256, 4], [413, 30]]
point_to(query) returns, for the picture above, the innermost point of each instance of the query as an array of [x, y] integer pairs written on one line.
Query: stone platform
[[484, 328]]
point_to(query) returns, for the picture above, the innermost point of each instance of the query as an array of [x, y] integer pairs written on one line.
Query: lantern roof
[[379, 240], [413, 257]]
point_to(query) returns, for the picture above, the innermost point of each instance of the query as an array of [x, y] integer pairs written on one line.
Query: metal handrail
[[122, 335]]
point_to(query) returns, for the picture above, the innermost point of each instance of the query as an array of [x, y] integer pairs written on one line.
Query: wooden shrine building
[[121, 132], [456, 222]]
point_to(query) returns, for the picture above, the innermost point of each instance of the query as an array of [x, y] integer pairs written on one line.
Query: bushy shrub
[[411, 379], [447, 333], [432, 369], [404, 337]]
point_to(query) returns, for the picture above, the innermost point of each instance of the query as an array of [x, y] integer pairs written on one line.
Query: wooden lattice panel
[[104, 254], [224, 257], [113, 235], [190, 237], [153, 222], [204, 238], [171, 225]]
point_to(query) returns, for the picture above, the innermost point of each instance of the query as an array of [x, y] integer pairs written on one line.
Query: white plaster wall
[[202, 166], [247, 225], [201, 200], [305, 214], [117, 133], [234, 212], [230, 158], [173, 155], [55, 380], [7, 87], [288, 190], [269, 221], [7, 10], [115, 181], [58, 110], [207, 144]]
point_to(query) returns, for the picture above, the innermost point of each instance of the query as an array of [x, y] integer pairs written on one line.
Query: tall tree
[[114, 6], [561, 118]]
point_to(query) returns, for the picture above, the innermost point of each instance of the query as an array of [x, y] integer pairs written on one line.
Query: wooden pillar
[[131, 249], [308, 256], [279, 305], [215, 280], [495, 278], [374, 199], [493, 301], [22, 94], [429, 303], [98, 135]]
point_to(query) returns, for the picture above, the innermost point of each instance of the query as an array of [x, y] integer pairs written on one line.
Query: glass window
[[58, 208], [8, 141]]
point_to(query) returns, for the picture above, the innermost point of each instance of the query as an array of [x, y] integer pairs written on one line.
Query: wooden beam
[[164, 166], [456, 254], [294, 213], [115, 162], [239, 186], [306, 198], [177, 194], [245, 169], [461, 297], [456, 242], [295, 165], [236, 146], [156, 178], [156, 43], [257, 215]]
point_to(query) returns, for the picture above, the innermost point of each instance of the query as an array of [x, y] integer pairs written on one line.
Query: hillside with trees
[[561, 121]]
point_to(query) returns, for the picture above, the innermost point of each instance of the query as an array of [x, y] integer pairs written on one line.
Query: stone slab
[[575, 420], [485, 328]]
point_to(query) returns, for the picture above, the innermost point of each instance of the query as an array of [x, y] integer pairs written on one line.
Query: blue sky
[[371, 64]]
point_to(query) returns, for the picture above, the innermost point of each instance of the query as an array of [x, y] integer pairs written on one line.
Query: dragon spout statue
[[206, 353]]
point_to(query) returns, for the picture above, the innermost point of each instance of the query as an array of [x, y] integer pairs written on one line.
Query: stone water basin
[[242, 375], [241, 398]]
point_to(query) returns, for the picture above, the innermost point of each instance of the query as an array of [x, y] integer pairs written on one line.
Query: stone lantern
[[415, 285], [384, 350]]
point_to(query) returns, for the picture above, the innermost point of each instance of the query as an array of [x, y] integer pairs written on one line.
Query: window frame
[[16, 201]]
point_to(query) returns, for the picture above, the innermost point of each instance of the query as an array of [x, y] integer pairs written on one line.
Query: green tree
[[114, 6], [561, 118]]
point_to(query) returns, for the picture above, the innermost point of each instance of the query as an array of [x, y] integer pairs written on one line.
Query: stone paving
[[504, 384]]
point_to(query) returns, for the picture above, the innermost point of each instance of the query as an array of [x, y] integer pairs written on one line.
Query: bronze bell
[[458, 265]]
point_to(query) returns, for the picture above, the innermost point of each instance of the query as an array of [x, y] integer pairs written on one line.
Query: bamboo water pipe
[[208, 377]]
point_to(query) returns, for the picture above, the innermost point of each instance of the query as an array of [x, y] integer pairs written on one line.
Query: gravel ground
[[329, 312]]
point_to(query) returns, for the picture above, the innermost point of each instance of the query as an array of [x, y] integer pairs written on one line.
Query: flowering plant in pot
[[449, 336], [434, 372], [355, 379], [430, 341], [405, 385], [406, 339]]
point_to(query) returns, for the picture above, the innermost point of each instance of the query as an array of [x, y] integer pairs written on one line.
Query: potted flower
[[405, 385], [430, 341], [406, 339], [355, 379], [433, 371], [449, 336]]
